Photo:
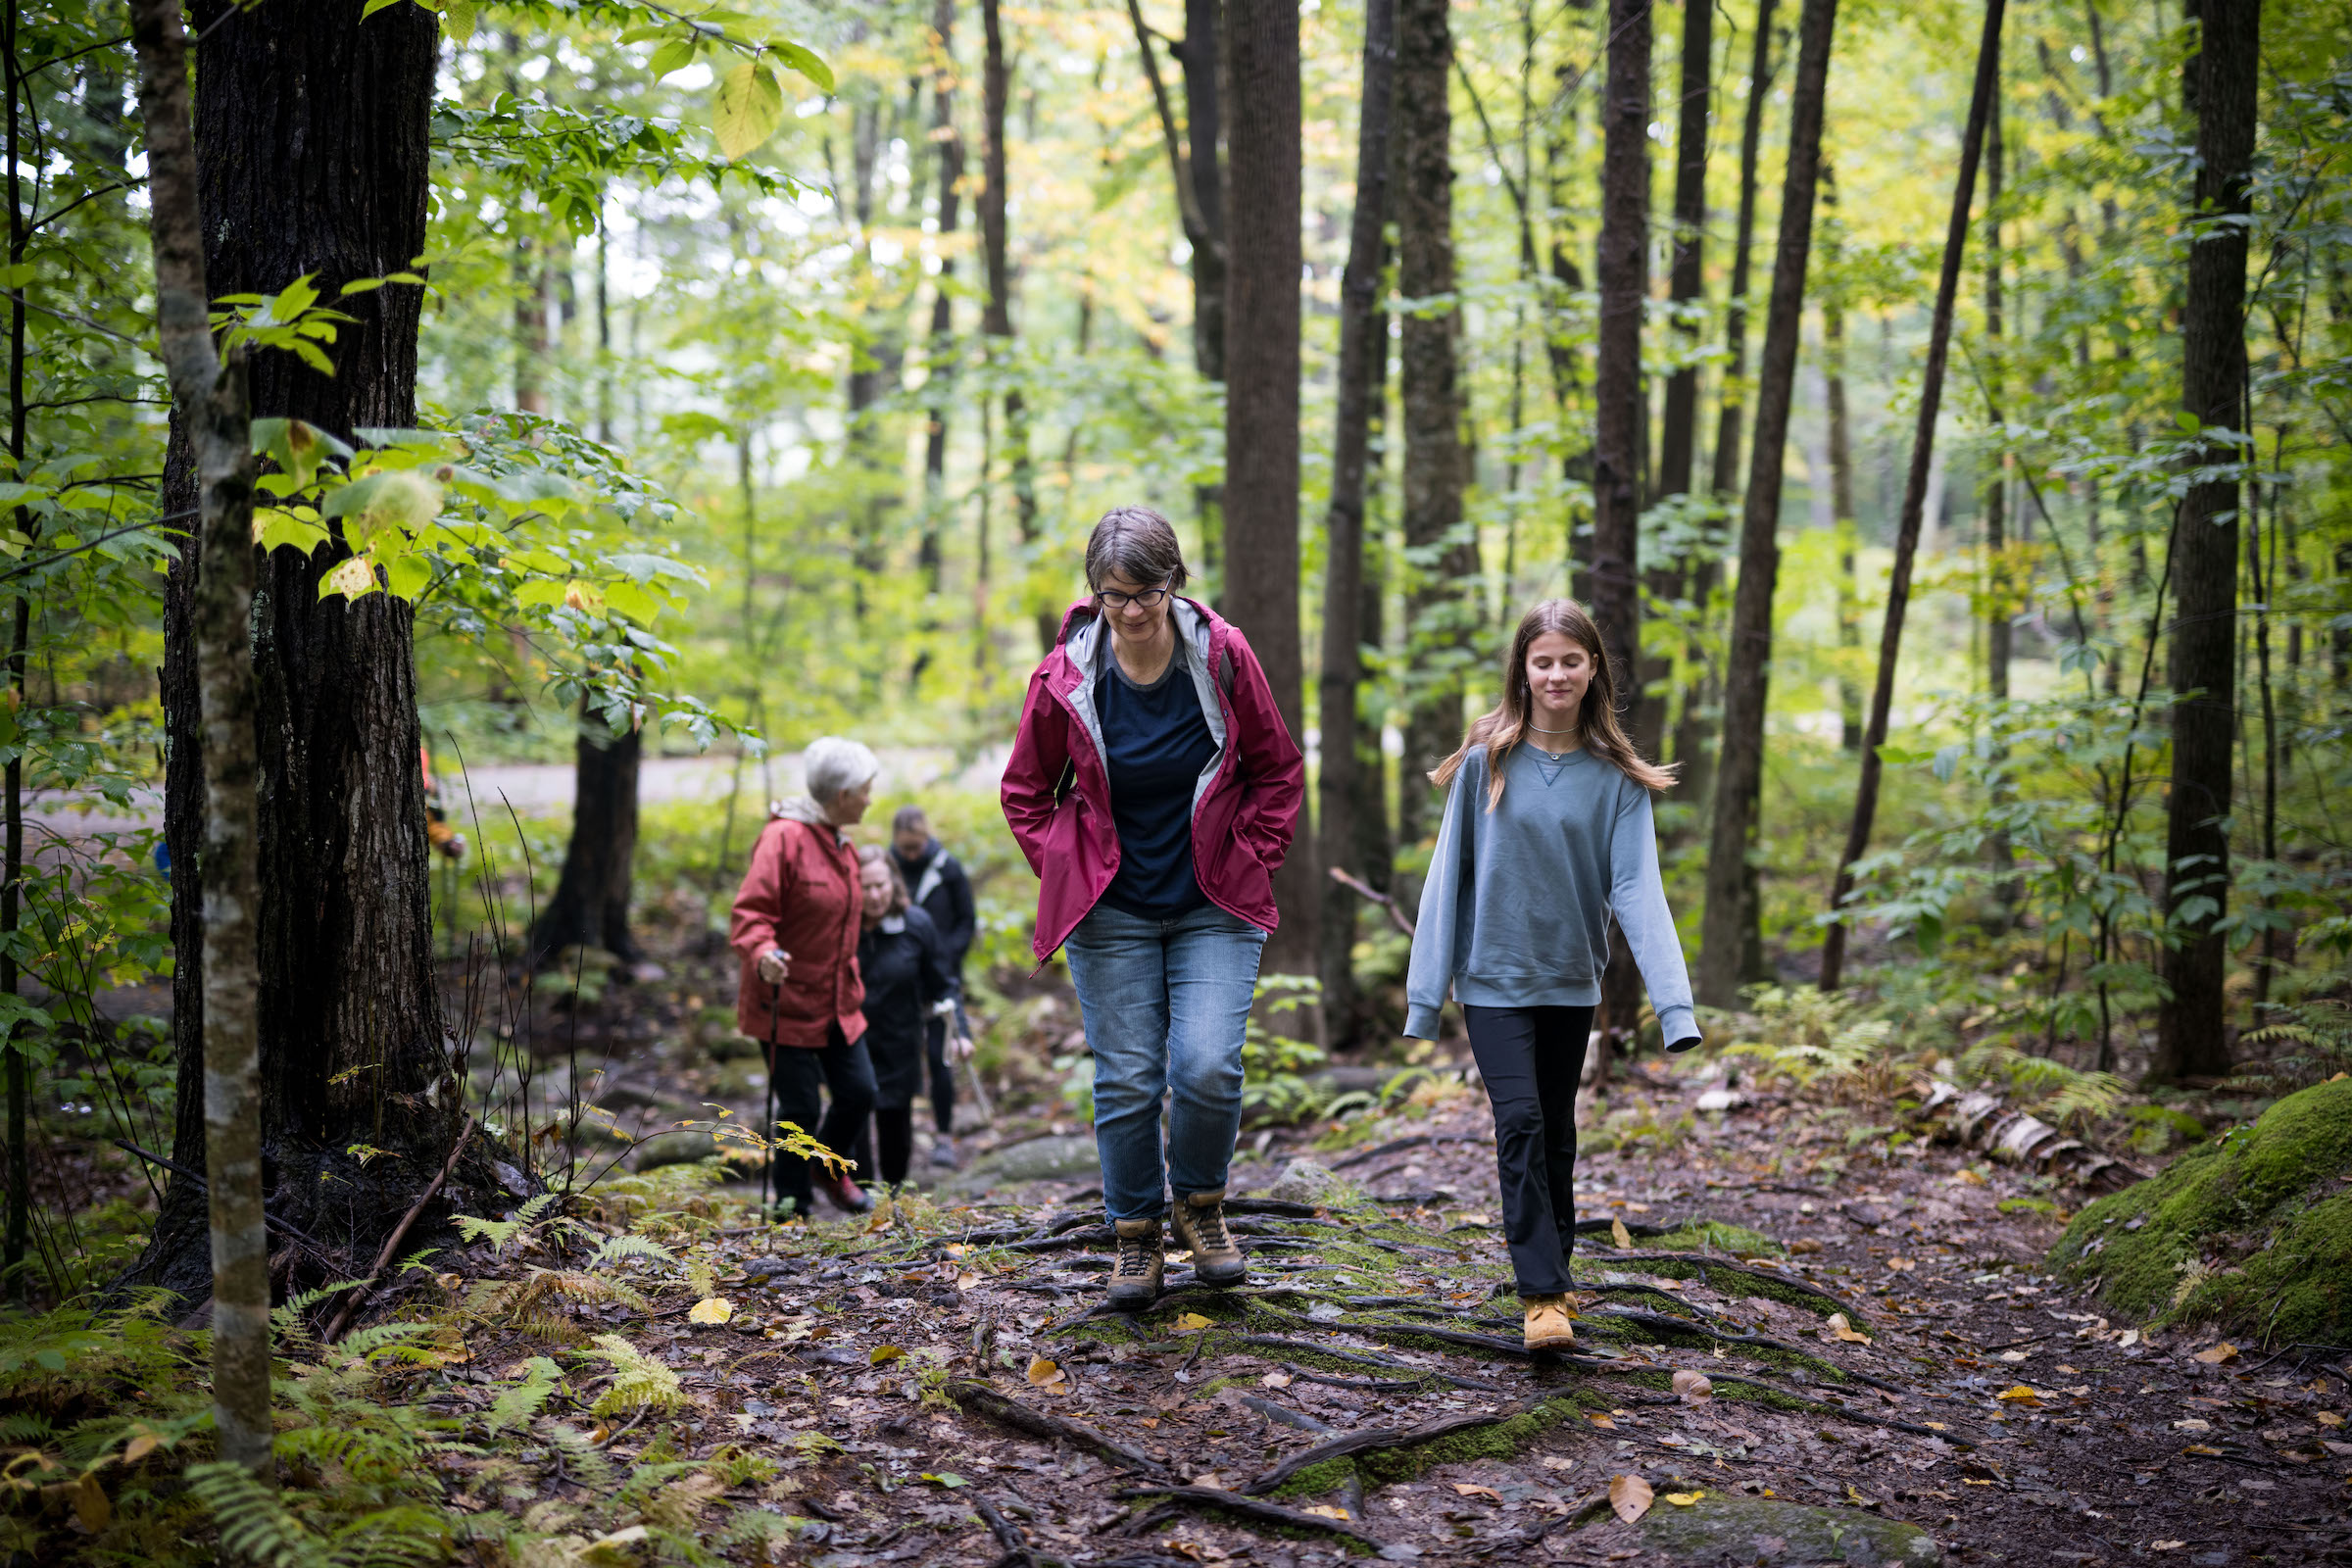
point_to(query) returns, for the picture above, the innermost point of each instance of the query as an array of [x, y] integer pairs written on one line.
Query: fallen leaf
[[1600, 1419], [140, 1447], [1194, 1320], [2166, 1546], [2015, 1356], [1620, 1235], [1213, 1481], [2200, 1448], [2193, 1426], [1044, 1374], [2218, 1355], [1936, 1426], [2019, 1393], [966, 1280], [1629, 1497], [1553, 1461], [1804, 1246], [2329, 1418], [944, 1478], [2128, 1339], [884, 1354], [1901, 1265], [2069, 1371], [1472, 1490], [1694, 1387], [1274, 1379], [1324, 1511], [92, 1508], [955, 1249], [1683, 1500], [1148, 1421], [1841, 1330], [712, 1309]]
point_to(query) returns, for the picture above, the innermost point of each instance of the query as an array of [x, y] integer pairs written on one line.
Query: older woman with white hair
[[795, 928]]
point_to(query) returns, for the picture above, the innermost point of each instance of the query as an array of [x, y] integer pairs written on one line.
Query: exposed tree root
[[1369, 1439], [1246, 1507], [1308, 1352], [1780, 1286], [1038, 1424]]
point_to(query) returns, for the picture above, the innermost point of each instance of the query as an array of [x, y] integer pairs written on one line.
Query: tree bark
[[2224, 80], [1677, 427], [1841, 491], [590, 906], [1915, 491], [1730, 932], [211, 416], [996, 320], [943, 300], [311, 156], [1261, 411], [1202, 60], [1438, 617], [1998, 621], [1695, 735], [1363, 362], [14, 1280]]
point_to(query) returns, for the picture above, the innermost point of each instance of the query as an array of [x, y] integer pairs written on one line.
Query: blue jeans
[[1165, 1003]]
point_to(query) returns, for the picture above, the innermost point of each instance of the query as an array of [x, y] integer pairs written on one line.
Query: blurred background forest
[[803, 375]]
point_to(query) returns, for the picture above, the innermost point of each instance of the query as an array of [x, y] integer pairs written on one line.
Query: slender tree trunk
[[1841, 510], [1998, 622], [996, 320], [1695, 736], [590, 906], [937, 357], [1202, 58], [1363, 358], [1437, 617], [1685, 287], [2222, 78], [1732, 920], [1261, 415], [313, 157], [19, 1238], [211, 411], [1915, 490]]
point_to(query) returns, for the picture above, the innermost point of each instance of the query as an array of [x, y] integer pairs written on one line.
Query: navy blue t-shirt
[[1158, 742]]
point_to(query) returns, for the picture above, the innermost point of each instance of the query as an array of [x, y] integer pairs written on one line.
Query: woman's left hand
[[961, 1046]]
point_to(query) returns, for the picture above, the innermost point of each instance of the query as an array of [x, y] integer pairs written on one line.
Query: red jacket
[[800, 895], [1241, 823]]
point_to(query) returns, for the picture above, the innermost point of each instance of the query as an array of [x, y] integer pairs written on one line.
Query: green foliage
[[1274, 1066], [2318, 1039], [638, 1382], [1806, 1038]]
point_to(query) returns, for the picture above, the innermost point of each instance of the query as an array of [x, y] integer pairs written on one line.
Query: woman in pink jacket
[[1154, 789]]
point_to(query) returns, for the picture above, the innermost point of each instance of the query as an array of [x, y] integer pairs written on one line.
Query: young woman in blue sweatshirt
[[1547, 834]]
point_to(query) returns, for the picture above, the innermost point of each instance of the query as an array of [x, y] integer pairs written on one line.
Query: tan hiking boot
[[1135, 1271], [1548, 1327], [1199, 1225]]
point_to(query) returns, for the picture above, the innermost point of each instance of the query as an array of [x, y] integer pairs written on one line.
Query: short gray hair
[[1134, 543], [833, 763]]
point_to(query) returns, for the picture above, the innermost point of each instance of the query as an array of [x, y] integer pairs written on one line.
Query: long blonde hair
[[1503, 727]]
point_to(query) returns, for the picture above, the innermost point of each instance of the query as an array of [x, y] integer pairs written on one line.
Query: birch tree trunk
[[209, 404], [1363, 359], [1915, 491], [1730, 927]]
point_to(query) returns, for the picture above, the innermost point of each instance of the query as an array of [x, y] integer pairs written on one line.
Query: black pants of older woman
[[800, 1075]]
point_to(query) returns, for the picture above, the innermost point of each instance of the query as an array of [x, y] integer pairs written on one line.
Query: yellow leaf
[[1629, 1497], [712, 1309], [2218, 1356], [1274, 1379], [1694, 1387], [1683, 1500], [1620, 1235], [140, 1447], [883, 1354], [1042, 1372], [2200, 1448], [966, 1280], [1194, 1320], [746, 109], [2019, 1391], [2329, 1418], [1843, 1331], [1600, 1419], [1324, 1511], [351, 580], [90, 1504]]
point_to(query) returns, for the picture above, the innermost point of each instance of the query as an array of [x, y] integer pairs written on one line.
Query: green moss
[[2250, 1232], [1501, 1440], [1720, 1277], [1714, 1233]]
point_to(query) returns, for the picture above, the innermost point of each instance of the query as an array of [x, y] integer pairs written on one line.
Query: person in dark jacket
[[907, 985], [940, 889]]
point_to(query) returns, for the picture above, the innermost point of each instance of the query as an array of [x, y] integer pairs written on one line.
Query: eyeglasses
[[1148, 599]]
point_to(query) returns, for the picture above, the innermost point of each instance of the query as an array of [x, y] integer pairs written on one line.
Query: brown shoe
[[847, 1195], [1136, 1271], [1548, 1327], [1199, 1225]]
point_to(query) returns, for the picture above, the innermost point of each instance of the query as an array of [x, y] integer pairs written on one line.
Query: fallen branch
[[1272, 1513], [1285, 1414], [1364, 890], [359, 1298], [1038, 1424], [1371, 1439], [1014, 1543]]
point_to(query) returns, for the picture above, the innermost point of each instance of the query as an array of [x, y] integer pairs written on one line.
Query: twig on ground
[[1009, 1534], [359, 1298]]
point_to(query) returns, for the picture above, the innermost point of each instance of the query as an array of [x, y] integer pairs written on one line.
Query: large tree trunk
[[1622, 418], [211, 408], [938, 355], [1915, 492], [1261, 413], [1364, 363], [1730, 933], [2223, 81], [1437, 615], [996, 318], [589, 907], [311, 157], [1203, 59], [1678, 432], [1695, 735]]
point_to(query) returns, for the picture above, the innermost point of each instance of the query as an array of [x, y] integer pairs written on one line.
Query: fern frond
[[255, 1525], [516, 1406], [583, 1461], [616, 1248], [747, 1526], [638, 1381]]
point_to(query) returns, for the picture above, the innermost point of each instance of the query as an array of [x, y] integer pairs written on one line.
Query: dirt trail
[[941, 1388]]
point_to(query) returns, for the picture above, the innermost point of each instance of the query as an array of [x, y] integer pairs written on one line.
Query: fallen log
[[1977, 1119]]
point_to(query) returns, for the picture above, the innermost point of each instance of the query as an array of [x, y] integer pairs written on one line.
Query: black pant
[[799, 1073], [943, 1075], [1531, 1059]]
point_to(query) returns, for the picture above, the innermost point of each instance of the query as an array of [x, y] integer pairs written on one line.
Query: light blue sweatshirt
[[1515, 911]]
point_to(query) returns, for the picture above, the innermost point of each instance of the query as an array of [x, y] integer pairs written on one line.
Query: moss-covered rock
[[2250, 1232], [1720, 1528]]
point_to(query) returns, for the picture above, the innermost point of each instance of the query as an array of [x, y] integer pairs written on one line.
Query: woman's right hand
[[774, 964]]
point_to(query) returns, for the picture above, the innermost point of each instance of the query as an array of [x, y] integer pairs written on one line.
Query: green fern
[[2319, 1035], [583, 1460], [501, 1232], [516, 1406], [626, 1245], [638, 1382]]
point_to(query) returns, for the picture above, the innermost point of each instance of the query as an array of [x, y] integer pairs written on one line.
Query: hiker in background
[[939, 887], [908, 984], [795, 928]]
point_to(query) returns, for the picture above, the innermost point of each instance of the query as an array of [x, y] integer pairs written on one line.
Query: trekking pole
[[988, 1112], [768, 1121]]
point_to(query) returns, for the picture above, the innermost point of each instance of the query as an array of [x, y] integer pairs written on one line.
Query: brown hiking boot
[[1135, 1272], [1199, 1225], [1547, 1323]]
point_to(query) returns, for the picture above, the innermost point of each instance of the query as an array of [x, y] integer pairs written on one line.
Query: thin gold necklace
[[1547, 750]]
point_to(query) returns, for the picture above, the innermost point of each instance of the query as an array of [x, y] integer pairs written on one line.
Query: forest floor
[[1889, 1375]]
